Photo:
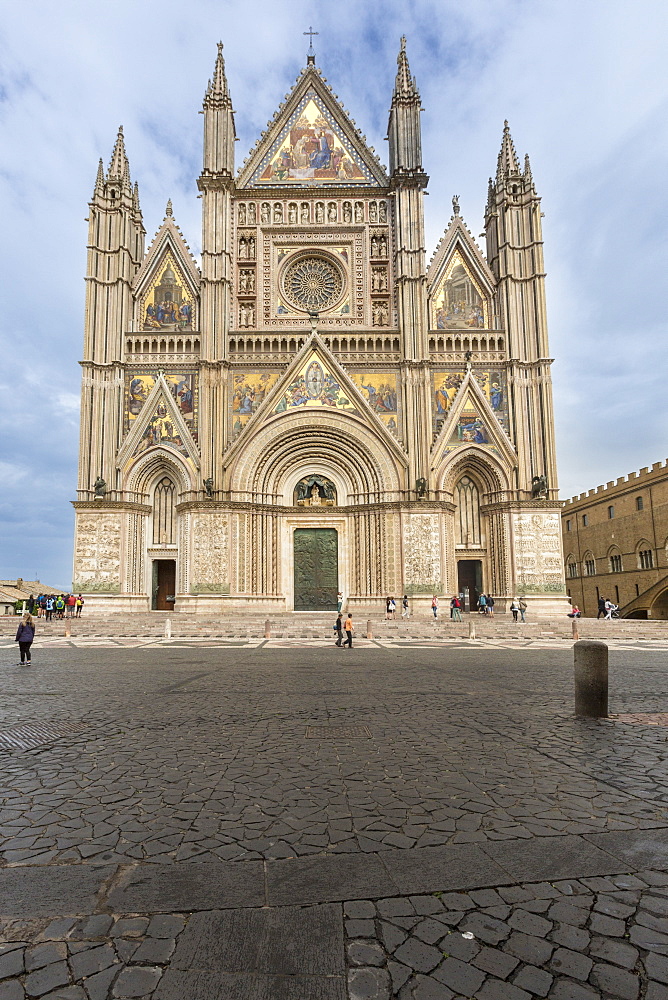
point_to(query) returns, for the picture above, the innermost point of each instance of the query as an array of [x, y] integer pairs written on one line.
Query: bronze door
[[164, 584], [316, 553]]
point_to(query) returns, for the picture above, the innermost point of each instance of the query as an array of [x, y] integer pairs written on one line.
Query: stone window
[[468, 513], [646, 559], [164, 513], [571, 569], [639, 503], [585, 520], [590, 567], [568, 525], [616, 563], [611, 511]]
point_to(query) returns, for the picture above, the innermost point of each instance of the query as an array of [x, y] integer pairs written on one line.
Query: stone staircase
[[316, 625]]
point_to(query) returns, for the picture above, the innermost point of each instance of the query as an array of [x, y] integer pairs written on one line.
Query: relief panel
[[97, 557], [209, 554], [538, 554], [422, 553]]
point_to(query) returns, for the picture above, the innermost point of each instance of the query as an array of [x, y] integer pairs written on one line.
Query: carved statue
[[243, 249], [278, 212], [251, 247], [359, 211], [292, 214], [302, 490], [319, 212], [252, 214], [208, 488], [455, 204], [328, 489], [305, 213], [331, 212], [539, 488], [100, 488], [468, 356], [373, 212], [347, 212], [382, 211], [421, 487], [265, 214], [242, 215]]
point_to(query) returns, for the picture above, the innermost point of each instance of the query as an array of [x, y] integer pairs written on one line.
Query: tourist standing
[[514, 607], [456, 609], [348, 628], [80, 604], [490, 606], [71, 605], [48, 607], [482, 605], [25, 634], [392, 608], [404, 604], [434, 605]]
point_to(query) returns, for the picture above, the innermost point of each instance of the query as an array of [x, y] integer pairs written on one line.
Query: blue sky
[[583, 84]]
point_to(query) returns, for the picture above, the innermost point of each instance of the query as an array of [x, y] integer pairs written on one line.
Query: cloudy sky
[[584, 84]]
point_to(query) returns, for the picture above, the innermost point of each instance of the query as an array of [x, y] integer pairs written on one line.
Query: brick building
[[616, 545]]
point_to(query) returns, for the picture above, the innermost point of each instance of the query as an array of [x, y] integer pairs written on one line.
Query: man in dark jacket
[[25, 634], [339, 629], [601, 607]]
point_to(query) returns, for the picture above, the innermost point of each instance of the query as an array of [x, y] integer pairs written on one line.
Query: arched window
[[164, 513], [571, 567], [645, 555], [615, 560], [468, 513], [589, 564]]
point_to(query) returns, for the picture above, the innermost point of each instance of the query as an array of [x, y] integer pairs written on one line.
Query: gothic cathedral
[[311, 408]]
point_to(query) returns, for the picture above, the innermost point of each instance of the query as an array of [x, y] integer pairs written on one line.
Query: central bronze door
[[316, 569]]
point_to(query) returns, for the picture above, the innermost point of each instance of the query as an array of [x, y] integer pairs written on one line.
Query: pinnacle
[[119, 167], [405, 83], [507, 162], [217, 89], [99, 180], [168, 209]]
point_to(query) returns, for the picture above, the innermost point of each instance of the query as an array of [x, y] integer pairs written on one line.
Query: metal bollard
[[369, 632], [471, 630], [168, 628], [574, 628], [590, 661], [267, 629]]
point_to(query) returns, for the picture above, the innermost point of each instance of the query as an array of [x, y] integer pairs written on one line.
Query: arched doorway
[[163, 570], [468, 540]]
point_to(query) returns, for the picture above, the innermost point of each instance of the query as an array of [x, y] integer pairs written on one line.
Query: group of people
[[50, 606], [342, 626], [607, 608], [391, 607]]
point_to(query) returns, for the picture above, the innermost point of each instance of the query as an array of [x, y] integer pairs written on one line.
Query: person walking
[[338, 628], [392, 608], [490, 606], [434, 605], [339, 602], [601, 607], [79, 605], [348, 629], [482, 605], [405, 613], [610, 608], [514, 607], [25, 634], [456, 609], [523, 608]]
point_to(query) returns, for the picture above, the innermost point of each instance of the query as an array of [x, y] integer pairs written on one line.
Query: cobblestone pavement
[[190, 840]]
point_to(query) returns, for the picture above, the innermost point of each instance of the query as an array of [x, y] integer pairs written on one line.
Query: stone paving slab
[[213, 885], [41, 891], [214, 986], [314, 880], [636, 849], [434, 868], [553, 858]]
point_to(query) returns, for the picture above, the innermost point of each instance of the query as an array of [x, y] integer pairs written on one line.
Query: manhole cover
[[338, 732], [643, 718], [34, 735]]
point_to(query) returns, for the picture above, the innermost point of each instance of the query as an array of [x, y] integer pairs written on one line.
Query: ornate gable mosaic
[[167, 304], [458, 301], [314, 385], [311, 149]]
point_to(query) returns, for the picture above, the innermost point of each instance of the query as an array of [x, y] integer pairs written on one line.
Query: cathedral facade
[[312, 408]]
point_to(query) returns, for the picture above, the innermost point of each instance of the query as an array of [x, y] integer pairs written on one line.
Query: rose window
[[313, 284]]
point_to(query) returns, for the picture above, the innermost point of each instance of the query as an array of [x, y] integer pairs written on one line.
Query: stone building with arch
[[313, 407]]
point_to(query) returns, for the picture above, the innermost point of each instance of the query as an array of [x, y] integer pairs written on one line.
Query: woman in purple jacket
[[25, 634]]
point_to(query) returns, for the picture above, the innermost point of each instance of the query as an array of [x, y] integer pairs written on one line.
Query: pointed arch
[[490, 474], [143, 475]]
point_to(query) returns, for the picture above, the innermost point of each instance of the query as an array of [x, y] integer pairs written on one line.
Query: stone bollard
[[471, 630], [574, 628], [590, 661], [267, 629], [168, 628], [68, 630], [369, 632]]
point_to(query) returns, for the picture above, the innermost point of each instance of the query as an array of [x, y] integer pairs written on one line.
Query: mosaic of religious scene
[[249, 392], [161, 430], [311, 148], [167, 304], [380, 391], [458, 302], [182, 386], [314, 386], [446, 386]]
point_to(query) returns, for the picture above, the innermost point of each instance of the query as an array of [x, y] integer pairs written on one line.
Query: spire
[[527, 168], [99, 180], [404, 87], [168, 210], [135, 197], [218, 92], [119, 168], [507, 162]]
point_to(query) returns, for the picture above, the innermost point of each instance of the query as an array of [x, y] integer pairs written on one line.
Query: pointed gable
[[471, 421], [167, 283], [311, 141], [160, 424], [460, 282]]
